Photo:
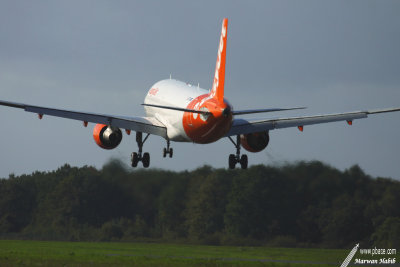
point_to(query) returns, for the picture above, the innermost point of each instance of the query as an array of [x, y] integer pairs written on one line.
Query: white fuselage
[[172, 93]]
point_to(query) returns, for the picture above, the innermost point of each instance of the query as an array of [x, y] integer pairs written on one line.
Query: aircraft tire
[[146, 160], [134, 159], [244, 162], [232, 161]]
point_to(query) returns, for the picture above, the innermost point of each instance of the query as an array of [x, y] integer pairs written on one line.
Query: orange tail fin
[[217, 90]]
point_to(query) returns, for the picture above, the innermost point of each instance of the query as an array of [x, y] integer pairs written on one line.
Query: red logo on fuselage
[[153, 91]]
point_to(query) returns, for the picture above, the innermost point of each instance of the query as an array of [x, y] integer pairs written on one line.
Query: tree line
[[306, 204]]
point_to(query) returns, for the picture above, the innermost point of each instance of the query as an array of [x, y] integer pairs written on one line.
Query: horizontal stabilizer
[[252, 111], [375, 111], [179, 109]]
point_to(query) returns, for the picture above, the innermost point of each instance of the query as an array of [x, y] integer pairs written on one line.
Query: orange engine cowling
[[254, 142], [107, 137]]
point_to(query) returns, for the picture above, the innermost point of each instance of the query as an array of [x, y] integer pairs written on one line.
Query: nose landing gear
[[168, 151], [234, 159], [136, 157]]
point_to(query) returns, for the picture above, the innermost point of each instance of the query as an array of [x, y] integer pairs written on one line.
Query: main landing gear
[[233, 159], [145, 157], [167, 150], [136, 157]]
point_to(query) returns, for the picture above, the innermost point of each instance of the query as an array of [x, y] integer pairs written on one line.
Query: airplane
[[180, 112]]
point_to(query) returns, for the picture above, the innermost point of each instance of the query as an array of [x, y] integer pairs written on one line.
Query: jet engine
[[107, 137], [254, 142]]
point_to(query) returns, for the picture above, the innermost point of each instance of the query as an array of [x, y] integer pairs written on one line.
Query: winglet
[[217, 90]]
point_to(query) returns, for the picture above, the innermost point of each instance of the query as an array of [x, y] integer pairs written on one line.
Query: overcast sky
[[103, 56]]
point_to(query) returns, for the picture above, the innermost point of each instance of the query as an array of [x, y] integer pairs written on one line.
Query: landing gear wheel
[[146, 159], [232, 161], [134, 159], [243, 162], [167, 150]]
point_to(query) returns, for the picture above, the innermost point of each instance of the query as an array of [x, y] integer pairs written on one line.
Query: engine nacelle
[[254, 142], [107, 137]]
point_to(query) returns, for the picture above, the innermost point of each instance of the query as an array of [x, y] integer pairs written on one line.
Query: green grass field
[[44, 253]]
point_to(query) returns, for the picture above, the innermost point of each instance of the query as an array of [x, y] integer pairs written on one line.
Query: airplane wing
[[139, 124], [243, 126]]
